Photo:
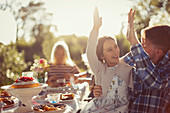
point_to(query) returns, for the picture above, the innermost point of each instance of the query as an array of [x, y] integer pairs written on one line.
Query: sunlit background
[[30, 28], [73, 17]]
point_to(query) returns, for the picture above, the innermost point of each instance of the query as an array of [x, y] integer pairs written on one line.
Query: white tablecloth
[[82, 92]]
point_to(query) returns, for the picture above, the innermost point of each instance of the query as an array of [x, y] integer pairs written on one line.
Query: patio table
[[81, 92]]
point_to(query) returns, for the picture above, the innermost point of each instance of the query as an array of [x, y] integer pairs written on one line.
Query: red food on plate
[[6, 100], [48, 107], [68, 96]]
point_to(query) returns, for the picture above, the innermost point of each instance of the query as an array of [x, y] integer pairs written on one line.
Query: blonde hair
[[63, 45]]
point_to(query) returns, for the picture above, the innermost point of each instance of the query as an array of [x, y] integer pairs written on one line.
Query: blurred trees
[[10, 58], [123, 43], [30, 33], [28, 15], [35, 37], [30, 25], [38, 28], [150, 12], [36, 34]]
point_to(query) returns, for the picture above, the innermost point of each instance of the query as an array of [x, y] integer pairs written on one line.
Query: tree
[[151, 12], [28, 18], [122, 43], [30, 25], [12, 63]]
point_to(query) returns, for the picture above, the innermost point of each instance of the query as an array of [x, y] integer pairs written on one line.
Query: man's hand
[[97, 20], [97, 91], [52, 81], [131, 37]]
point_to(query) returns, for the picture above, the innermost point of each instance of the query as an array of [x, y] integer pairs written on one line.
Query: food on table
[[68, 96], [6, 99], [47, 107], [4, 94], [25, 82]]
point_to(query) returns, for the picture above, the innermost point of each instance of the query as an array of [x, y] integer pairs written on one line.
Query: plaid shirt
[[151, 82]]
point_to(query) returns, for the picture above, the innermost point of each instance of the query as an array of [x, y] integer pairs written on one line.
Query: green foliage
[[77, 46], [48, 43], [33, 48], [5, 80], [122, 43], [22, 45], [32, 51], [12, 62]]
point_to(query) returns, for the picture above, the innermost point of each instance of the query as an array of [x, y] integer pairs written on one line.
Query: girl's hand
[[97, 20], [97, 91], [131, 37]]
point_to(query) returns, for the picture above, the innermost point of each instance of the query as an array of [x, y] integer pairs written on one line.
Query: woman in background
[[62, 68]]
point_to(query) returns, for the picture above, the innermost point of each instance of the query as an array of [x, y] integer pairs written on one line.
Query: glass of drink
[[54, 97], [61, 82]]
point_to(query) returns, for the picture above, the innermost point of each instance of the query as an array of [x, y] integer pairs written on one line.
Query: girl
[[111, 73], [62, 67]]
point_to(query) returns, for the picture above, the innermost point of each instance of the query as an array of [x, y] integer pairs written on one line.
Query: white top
[[103, 74]]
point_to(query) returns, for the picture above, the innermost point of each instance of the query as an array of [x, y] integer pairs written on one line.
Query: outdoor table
[[81, 92]]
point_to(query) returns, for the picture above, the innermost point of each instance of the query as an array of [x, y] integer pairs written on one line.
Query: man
[[151, 72]]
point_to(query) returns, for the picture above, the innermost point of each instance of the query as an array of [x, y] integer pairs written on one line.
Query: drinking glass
[[53, 97], [61, 82], [28, 74]]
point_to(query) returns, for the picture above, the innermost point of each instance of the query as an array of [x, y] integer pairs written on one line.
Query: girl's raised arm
[[97, 20]]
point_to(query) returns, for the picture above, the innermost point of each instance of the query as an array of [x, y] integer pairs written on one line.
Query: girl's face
[[110, 53], [60, 55]]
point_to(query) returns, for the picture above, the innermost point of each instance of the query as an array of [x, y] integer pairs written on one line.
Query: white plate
[[9, 87], [69, 100], [23, 92], [24, 95], [62, 101], [66, 100], [88, 79], [54, 111], [16, 103]]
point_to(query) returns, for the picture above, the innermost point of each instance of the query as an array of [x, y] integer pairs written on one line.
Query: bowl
[[24, 95]]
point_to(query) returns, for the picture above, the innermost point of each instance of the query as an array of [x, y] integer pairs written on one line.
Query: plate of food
[[67, 97], [50, 108], [8, 101], [24, 88]]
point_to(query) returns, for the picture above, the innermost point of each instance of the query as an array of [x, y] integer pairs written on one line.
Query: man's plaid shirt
[[151, 82]]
